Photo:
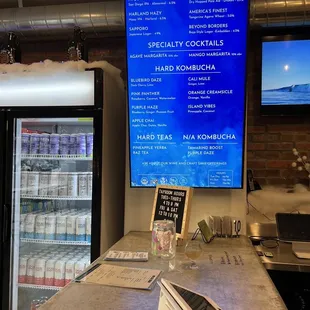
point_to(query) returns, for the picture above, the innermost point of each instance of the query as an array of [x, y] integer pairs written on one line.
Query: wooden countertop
[[230, 273]]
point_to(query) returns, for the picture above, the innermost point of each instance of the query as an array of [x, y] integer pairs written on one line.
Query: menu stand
[[196, 233]]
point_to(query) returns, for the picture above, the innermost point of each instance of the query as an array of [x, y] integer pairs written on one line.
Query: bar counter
[[230, 273]]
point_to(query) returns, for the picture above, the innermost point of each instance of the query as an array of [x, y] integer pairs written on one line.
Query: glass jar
[[164, 239]]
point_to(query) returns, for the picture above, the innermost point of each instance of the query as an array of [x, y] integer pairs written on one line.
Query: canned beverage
[[89, 184], [43, 183], [44, 143], [30, 270], [50, 227], [72, 142], [46, 251], [50, 272], [46, 205], [78, 258], [32, 206], [46, 256], [44, 299], [22, 271], [24, 182], [50, 205], [72, 184], [69, 274], [88, 229], [81, 144], [54, 144], [40, 227], [53, 184], [25, 143], [58, 205], [61, 227], [64, 144], [39, 272], [60, 269], [80, 228], [30, 226], [83, 184], [63, 184], [34, 143], [89, 144], [35, 304], [86, 261], [79, 268], [24, 208], [71, 227], [22, 225], [33, 183]]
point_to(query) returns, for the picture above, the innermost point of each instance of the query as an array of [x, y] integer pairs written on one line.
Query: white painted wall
[[139, 204]]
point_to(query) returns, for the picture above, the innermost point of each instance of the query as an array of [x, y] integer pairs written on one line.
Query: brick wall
[[271, 139]]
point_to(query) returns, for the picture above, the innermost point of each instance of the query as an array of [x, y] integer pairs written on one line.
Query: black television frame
[[246, 89], [274, 35]]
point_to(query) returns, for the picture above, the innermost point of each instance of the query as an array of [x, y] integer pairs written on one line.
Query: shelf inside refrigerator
[[55, 157], [59, 242], [82, 121], [39, 287], [55, 197]]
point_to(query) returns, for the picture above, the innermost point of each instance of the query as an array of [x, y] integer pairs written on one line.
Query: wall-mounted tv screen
[[285, 75], [186, 65]]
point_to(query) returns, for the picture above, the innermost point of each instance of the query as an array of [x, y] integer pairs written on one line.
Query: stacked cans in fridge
[[66, 226], [80, 144], [37, 303], [55, 205], [36, 206], [55, 266], [56, 184]]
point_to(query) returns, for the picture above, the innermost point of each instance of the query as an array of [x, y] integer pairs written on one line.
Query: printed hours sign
[[173, 203]]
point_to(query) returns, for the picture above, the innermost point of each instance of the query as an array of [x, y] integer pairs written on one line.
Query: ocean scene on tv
[[286, 72]]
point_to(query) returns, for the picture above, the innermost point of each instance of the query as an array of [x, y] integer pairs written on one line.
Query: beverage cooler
[[62, 169]]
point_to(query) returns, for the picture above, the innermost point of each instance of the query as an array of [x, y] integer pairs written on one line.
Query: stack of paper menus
[[112, 275]]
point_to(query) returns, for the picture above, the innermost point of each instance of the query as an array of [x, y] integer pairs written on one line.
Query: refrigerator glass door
[[2, 206], [51, 206]]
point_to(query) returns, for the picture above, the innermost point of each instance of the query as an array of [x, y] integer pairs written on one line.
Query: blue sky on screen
[[285, 63]]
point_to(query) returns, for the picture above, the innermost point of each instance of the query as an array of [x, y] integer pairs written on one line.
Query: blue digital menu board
[[186, 64]]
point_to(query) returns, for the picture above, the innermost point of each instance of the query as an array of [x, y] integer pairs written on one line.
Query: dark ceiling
[[8, 4], [26, 3]]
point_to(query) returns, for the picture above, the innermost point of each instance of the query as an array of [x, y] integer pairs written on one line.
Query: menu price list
[[220, 178], [186, 88]]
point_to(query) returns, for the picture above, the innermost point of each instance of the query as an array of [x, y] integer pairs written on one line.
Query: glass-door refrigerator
[[56, 176], [2, 158]]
